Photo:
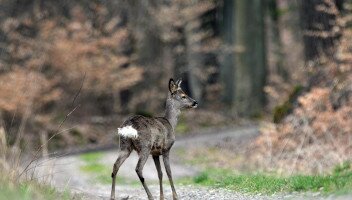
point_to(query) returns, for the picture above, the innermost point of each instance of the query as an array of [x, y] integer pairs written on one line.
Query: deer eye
[[183, 97]]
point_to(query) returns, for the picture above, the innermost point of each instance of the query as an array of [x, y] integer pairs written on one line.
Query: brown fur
[[155, 137], [156, 133]]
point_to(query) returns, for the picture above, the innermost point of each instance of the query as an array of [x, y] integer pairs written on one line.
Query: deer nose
[[195, 104]]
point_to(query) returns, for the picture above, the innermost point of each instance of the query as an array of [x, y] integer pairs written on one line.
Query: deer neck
[[171, 113]]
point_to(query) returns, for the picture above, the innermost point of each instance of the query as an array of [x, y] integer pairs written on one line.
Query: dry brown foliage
[[314, 138], [47, 56], [22, 89], [317, 135]]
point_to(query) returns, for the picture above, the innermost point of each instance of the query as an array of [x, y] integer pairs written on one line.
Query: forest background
[[72, 71]]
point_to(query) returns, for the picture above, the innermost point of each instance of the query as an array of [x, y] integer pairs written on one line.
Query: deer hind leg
[[160, 175], [123, 155], [143, 156]]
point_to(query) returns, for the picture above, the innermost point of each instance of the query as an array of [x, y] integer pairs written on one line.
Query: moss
[[297, 90], [286, 108], [281, 111]]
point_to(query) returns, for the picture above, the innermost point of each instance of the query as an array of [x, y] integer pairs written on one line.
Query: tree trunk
[[194, 59], [275, 40], [318, 27], [250, 58], [227, 70], [150, 50]]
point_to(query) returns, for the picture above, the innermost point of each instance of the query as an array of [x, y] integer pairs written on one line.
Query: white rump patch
[[128, 131]]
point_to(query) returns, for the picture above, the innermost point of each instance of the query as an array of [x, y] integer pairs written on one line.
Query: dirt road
[[68, 173]]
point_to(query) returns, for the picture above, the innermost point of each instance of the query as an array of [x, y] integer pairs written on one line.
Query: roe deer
[[152, 135]]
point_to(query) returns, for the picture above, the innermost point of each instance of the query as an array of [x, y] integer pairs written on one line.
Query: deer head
[[179, 99]]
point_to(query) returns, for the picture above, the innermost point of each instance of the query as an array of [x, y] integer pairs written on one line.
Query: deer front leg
[[143, 156], [168, 172], [160, 175]]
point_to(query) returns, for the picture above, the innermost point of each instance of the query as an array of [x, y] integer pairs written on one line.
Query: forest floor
[[87, 175]]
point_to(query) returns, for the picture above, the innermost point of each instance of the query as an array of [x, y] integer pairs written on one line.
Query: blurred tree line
[[115, 56]]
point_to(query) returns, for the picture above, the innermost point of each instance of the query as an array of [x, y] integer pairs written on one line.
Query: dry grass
[[17, 182]]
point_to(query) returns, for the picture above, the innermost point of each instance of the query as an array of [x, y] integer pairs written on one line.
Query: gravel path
[[64, 173], [202, 193]]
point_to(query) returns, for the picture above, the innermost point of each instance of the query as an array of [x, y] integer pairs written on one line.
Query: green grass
[[94, 168], [101, 173], [91, 157], [29, 190], [339, 182]]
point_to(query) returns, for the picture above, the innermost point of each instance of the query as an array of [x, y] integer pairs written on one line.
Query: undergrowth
[[30, 190]]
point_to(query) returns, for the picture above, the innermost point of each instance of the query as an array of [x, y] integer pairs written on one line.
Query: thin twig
[[80, 88], [47, 160], [299, 150], [37, 178], [36, 156]]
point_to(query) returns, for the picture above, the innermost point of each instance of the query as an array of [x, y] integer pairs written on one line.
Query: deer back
[[155, 133]]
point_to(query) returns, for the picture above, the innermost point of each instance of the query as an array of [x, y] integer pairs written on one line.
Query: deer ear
[[172, 86], [178, 83]]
